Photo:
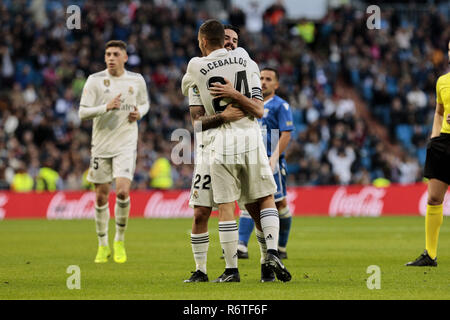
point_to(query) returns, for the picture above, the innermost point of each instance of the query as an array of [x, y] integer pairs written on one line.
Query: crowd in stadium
[[44, 65]]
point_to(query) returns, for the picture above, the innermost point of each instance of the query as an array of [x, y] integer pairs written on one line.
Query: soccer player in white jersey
[[247, 176], [115, 99], [201, 198]]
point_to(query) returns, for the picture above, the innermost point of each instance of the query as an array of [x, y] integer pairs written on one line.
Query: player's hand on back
[[134, 115], [220, 90], [232, 113], [114, 103]]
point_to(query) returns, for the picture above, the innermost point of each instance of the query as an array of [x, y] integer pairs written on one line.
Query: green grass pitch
[[328, 258]]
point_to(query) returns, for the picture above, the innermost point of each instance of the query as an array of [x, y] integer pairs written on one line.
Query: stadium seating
[[44, 66]]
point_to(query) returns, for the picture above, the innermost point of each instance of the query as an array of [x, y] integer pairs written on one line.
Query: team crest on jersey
[[195, 194], [131, 90], [195, 89], [106, 82]]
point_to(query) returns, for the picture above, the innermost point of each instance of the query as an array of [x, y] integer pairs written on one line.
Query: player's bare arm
[[207, 122], [253, 106], [283, 142], [437, 123], [230, 114]]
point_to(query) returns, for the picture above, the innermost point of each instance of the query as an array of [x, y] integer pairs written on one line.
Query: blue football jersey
[[276, 119]]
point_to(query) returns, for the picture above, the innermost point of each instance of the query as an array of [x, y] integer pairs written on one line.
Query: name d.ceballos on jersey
[[222, 63]]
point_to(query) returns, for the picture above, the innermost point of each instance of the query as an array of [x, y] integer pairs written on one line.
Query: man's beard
[[266, 93], [230, 47]]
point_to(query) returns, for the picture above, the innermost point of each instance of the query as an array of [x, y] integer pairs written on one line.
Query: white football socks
[[229, 236], [270, 224], [200, 244], [101, 224], [262, 245], [122, 210]]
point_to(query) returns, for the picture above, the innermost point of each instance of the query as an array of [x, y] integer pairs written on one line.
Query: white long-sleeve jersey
[[112, 133]]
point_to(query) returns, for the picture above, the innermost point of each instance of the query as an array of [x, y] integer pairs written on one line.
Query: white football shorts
[[244, 177], [201, 188], [104, 170]]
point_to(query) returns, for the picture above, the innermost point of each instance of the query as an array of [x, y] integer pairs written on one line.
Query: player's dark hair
[[116, 43], [213, 31], [231, 27], [277, 75]]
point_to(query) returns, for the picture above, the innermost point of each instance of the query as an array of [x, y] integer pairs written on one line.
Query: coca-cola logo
[[159, 207], [368, 202], [62, 208], [3, 201], [423, 204]]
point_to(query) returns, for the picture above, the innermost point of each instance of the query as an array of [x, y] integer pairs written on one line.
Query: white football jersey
[[237, 67], [112, 133]]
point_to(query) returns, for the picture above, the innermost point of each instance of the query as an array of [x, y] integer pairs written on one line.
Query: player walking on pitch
[[114, 99], [438, 171], [247, 175]]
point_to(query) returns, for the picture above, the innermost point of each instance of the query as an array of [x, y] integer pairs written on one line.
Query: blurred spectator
[[237, 17], [22, 181], [48, 179], [341, 160], [7, 67], [326, 177], [313, 147], [253, 17], [417, 97], [381, 182], [409, 170], [161, 174], [275, 13], [345, 107], [4, 185], [306, 30]]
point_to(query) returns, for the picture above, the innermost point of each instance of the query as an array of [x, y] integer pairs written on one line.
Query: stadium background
[[363, 100]]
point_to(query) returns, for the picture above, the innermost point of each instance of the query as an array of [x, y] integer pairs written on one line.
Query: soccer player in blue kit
[[277, 125]]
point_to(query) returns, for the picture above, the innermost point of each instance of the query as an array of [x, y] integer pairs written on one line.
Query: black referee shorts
[[437, 163]]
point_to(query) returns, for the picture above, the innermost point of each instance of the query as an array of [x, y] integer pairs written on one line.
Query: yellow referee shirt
[[443, 97]]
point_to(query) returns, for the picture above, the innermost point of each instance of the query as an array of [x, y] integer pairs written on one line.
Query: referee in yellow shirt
[[438, 171]]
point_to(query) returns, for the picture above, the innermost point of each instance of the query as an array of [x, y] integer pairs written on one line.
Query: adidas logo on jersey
[[269, 237]]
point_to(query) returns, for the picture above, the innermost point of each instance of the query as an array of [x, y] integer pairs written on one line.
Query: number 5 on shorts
[[95, 163]]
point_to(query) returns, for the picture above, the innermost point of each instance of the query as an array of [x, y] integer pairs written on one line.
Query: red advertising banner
[[355, 201], [347, 201]]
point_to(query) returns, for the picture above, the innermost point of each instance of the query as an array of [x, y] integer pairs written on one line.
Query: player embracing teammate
[[225, 100]]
